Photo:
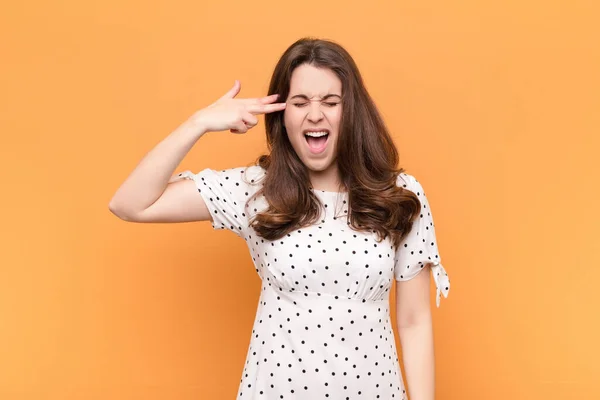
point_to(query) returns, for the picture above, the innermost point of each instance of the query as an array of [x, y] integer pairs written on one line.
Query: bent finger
[[240, 127], [249, 119]]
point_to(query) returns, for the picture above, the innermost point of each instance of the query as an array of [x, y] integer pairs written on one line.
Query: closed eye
[[328, 104]]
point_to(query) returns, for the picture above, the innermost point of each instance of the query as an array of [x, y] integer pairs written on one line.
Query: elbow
[[118, 212], [411, 318], [112, 207], [405, 322]]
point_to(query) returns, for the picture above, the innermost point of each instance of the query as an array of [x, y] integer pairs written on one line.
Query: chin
[[317, 165]]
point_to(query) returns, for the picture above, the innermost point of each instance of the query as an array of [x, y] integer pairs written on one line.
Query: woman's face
[[314, 104]]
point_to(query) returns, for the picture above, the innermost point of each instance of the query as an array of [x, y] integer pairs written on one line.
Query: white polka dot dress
[[322, 328]]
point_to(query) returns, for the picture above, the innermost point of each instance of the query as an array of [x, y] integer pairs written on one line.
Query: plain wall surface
[[494, 107]]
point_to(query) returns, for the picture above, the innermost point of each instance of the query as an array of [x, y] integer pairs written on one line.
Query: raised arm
[[147, 196]]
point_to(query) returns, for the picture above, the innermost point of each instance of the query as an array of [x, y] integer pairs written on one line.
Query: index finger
[[265, 108], [269, 99], [260, 100]]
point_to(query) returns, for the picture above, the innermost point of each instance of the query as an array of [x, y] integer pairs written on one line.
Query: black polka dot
[[318, 283]]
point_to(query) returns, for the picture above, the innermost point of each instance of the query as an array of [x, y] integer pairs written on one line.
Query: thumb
[[231, 93]]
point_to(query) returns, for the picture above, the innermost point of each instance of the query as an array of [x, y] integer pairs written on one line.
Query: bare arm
[[416, 335], [147, 196], [147, 186]]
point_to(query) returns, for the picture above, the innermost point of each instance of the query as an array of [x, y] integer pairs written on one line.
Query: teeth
[[316, 134]]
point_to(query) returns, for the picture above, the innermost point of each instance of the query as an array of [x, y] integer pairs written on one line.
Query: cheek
[[290, 127], [292, 117], [293, 123], [336, 117]]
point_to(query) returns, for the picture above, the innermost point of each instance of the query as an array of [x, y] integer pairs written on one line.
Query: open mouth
[[317, 144]]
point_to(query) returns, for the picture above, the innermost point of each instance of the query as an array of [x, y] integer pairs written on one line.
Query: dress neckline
[[328, 192]]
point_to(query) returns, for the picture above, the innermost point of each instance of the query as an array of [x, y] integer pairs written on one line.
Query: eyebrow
[[303, 96]]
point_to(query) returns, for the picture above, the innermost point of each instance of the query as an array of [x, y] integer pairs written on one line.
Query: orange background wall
[[495, 109]]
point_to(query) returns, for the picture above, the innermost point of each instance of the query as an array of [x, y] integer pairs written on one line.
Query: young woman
[[330, 221]]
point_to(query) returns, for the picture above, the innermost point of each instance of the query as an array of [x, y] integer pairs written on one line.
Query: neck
[[328, 179]]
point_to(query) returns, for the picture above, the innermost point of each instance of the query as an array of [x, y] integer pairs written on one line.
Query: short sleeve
[[419, 247], [225, 193]]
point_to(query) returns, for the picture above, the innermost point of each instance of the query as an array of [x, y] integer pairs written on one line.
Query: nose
[[314, 113]]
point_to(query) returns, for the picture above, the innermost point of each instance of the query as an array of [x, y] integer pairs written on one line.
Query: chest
[[328, 257]]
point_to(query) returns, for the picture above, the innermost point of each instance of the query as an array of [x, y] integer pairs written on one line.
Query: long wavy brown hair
[[366, 157]]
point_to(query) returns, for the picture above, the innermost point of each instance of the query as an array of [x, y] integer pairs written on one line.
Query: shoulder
[[407, 181], [244, 177], [254, 174], [410, 182], [237, 184]]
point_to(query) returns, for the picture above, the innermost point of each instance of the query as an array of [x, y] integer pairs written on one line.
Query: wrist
[[194, 126]]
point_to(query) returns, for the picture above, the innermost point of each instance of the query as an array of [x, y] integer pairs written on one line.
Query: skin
[[315, 110]]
